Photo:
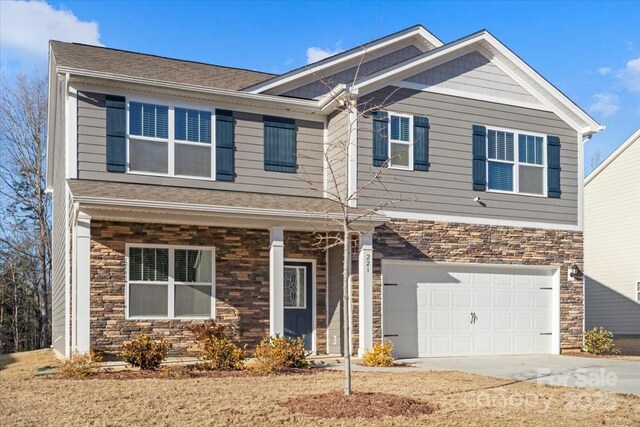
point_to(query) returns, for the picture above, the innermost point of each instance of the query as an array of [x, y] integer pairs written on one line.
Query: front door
[[298, 321]]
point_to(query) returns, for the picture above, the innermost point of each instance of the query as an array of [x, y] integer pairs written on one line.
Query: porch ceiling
[[157, 203]]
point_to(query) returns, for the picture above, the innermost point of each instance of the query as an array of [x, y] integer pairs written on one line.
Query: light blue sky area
[[587, 49]]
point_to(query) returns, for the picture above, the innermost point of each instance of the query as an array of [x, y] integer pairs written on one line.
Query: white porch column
[[365, 294], [82, 297], [276, 282]]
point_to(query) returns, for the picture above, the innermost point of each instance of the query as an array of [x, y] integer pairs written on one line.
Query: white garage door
[[438, 310]]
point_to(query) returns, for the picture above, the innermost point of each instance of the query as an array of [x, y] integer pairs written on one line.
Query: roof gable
[[499, 55], [416, 35], [472, 75]]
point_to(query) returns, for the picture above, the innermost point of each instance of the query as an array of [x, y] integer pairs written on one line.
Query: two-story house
[[186, 191]]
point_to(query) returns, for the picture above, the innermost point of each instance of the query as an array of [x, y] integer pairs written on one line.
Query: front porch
[[254, 263]]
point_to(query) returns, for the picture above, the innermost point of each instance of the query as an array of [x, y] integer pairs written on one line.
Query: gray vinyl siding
[[474, 73], [446, 189], [324, 83], [249, 155], [337, 152], [59, 254], [612, 245]]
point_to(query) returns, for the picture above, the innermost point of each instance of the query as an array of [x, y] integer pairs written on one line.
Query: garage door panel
[[431, 310], [482, 299], [502, 299]]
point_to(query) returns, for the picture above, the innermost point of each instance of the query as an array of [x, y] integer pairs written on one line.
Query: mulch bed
[[366, 405]]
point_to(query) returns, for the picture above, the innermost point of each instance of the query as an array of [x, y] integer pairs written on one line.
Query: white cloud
[[315, 54], [607, 104], [630, 75], [603, 71], [27, 26]]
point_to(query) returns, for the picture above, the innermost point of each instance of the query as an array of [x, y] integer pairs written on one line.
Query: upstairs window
[[638, 291], [516, 167], [193, 143], [182, 149], [148, 138], [400, 141]]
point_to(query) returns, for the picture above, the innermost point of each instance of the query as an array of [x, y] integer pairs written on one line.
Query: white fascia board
[[466, 45], [51, 114], [300, 104], [613, 156], [592, 125], [357, 51]]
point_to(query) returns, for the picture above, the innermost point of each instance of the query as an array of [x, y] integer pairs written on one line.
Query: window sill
[[544, 196], [164, 175], [400, 168]]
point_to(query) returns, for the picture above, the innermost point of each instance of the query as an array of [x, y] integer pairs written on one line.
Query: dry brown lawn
[[463, 399]]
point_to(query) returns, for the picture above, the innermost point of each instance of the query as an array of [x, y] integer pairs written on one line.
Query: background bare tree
[[25, 227], [595, 160]]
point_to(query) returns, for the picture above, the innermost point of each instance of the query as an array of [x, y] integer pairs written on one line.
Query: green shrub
[[145, 352], [380, 355], [216, 347], [278, 354], [598, 341], [80, 365]]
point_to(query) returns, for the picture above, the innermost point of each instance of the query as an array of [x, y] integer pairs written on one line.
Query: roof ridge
[[163, 57]]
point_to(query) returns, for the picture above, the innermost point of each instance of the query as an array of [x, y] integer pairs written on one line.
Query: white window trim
[[638, 291], [516, 162], [171, 141], [171, 283], [395, 141], [304, 301]]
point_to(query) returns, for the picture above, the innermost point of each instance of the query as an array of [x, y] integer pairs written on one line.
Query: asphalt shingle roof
[[94, 58]]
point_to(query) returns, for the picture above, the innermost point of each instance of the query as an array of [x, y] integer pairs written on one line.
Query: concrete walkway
[[612, 375]]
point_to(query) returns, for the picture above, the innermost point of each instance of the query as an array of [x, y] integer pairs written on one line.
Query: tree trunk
[[346, 274]]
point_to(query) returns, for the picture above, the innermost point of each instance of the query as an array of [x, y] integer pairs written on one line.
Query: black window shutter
[[380, 138], [553, 166], [420, 143], [479, 158], [280, 145], [116, 133], [224, 146]]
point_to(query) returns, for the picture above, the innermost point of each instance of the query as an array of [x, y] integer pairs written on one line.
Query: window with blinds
[[184, 149], [170, 282], [515, 167], [400, 141]]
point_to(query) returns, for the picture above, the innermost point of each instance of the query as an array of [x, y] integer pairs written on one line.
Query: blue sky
[[589, 50]]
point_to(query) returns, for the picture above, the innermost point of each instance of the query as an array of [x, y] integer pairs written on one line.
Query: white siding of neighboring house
[[612, 244]]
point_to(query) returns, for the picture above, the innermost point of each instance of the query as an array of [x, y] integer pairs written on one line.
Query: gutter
[[302, 104]]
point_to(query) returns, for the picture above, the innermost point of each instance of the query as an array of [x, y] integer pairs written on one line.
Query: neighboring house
[[185, 191], [612, 241]]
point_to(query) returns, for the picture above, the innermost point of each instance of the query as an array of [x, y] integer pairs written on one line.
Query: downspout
[[74, 278]]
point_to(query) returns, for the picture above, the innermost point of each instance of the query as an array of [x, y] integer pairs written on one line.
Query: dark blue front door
[[298, 311]]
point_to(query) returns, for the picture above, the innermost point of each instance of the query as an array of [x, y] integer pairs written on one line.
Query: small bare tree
[[25, 203], [335, 158]]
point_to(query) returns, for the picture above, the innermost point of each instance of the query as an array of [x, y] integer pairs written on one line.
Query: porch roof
[[120, 201]]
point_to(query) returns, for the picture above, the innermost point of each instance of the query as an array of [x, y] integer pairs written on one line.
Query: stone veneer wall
[[457, 242], [242, 281]]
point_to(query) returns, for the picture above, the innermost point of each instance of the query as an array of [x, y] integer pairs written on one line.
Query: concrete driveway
[[612, 375]]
